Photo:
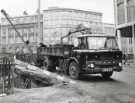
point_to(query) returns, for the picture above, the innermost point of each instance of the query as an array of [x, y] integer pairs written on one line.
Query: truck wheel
[[107, 75], [74, 70]]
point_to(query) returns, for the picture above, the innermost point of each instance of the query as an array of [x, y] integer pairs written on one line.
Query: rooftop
[[57, 9]]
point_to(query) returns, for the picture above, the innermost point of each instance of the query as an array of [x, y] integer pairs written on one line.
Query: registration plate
[[107, 69]]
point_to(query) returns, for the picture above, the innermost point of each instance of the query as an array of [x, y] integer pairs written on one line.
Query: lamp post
[[39, 23]]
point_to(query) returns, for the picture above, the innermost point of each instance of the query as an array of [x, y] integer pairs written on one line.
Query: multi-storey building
[[58, 22], [27, 27], [55, 22], [125, 24], [0, 35], [109, 29]]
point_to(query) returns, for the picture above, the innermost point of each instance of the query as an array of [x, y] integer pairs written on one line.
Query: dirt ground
[[61, 94]]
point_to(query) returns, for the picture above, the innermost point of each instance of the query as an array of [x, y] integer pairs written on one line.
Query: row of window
[[122, 9], [69, 23], [127, 48], [128, 2], [131, 13], [30, 34], [70, 15], [22, 20], [126, 41], [67, 29], [109, 30], [75, 18]]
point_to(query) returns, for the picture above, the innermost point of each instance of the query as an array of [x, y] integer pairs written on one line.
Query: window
[[24, 34], [31, 34], [96, 42], [121, 12], [111, 44]]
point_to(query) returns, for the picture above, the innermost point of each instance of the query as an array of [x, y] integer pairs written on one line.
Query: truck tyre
[[107, 75], [74, 70]]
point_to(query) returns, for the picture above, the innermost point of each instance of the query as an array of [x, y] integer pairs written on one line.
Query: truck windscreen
[[102, 43]]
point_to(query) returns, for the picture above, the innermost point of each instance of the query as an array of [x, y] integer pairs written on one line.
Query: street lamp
[[39, 24]]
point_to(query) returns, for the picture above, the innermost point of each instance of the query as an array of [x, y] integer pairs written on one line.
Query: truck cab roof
[[95, 35]]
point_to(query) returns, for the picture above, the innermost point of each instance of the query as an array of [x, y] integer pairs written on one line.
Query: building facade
[[27, 27], [109, 29], [0, 36], [54, 23], [58, 22], [125, 24]]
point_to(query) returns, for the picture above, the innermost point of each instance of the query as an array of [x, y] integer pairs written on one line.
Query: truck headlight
[[92, 65], [66, 52], [120, 64]]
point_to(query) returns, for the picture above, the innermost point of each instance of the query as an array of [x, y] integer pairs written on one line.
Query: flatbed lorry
[[88, 54]]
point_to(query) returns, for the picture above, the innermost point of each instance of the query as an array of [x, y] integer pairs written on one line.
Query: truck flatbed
[[55, 50]]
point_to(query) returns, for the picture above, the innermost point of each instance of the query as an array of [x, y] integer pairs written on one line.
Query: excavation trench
[[27, 80], [32, 78]]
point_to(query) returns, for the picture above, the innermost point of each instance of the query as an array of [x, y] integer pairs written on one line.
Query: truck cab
[[95, 54]]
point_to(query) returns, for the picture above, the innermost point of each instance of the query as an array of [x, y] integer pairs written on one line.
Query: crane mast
[[17, 32]]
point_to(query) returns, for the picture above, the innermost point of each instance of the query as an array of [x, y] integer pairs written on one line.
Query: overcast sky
[[16, 7]]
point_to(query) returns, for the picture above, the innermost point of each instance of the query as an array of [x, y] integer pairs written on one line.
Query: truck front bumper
[[96, 70]]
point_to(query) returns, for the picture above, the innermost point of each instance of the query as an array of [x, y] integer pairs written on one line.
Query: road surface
[[119, 89], [89, 89]]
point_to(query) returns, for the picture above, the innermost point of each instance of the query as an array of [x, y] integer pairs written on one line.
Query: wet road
[[119, 89]]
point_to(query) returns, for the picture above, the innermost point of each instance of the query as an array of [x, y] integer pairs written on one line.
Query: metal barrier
[[31, 59], [6, 74]]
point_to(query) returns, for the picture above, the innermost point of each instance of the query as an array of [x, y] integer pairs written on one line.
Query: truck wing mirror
[[75, 42]]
